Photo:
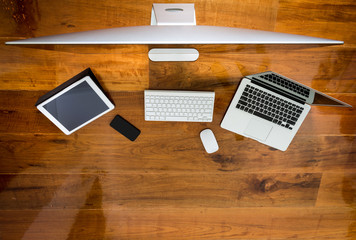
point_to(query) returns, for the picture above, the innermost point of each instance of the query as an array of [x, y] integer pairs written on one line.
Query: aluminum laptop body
[[270, 108]]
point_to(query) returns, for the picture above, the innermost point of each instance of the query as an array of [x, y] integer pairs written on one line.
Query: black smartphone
[[125, 128]]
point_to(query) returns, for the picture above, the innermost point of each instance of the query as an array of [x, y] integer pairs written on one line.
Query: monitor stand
[[173, 15]]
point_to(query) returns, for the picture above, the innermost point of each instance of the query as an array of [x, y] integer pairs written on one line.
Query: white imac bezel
[[94, 87]]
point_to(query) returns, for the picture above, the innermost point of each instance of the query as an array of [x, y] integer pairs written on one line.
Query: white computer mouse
[[209, 141]]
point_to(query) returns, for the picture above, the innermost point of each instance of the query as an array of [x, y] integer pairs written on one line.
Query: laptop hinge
[[278, 91]]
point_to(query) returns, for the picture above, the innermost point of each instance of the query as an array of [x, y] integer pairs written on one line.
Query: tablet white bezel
[[95, 88]]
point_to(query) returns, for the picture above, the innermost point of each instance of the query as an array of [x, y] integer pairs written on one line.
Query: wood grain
[[128, 68], [96, 184], [180, 223], [318, 18], [26, 154], [150, 190]]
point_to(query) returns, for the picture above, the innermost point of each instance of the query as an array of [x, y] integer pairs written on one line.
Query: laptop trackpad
[[258, 129]]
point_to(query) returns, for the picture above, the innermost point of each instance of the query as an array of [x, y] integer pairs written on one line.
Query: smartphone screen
[[125, 128]]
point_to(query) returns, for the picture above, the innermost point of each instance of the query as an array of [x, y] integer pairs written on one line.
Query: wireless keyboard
[[180, 106]]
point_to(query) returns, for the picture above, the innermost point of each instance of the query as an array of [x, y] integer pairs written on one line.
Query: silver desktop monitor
[[175, 24]]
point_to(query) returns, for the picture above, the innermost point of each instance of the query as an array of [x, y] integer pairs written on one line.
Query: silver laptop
[[270, 108]]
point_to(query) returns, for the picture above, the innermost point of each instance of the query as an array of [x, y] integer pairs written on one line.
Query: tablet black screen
[[76, 106]]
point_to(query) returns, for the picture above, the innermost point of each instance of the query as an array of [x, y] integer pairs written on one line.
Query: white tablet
[[75, 103]]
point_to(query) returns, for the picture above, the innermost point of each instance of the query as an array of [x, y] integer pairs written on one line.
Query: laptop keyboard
[[269, 107], [274, 78]]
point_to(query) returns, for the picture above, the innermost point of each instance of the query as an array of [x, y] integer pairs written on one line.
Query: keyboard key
[[243, 103], [261, 115]]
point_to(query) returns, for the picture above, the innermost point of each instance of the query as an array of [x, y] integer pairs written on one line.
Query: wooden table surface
[[96, 184]]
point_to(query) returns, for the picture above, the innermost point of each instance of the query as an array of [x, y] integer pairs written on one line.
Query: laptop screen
[[294, 90], [324, 100]]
